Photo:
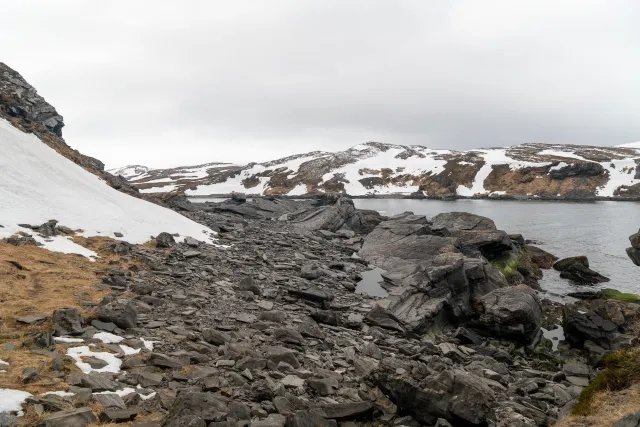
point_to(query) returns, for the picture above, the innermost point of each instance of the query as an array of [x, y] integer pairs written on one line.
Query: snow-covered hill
[[38, 184], [534, 170], [129, 172]]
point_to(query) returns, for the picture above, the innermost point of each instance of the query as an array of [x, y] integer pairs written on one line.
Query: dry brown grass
[[49, 280], [43, 282], [608, 407]]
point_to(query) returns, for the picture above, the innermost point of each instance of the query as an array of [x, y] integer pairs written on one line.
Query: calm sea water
[[599, 230]]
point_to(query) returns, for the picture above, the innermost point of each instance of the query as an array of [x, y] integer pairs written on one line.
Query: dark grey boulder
[[215, 337], [165, 240], [78, 418], [67, 321], [311, 293], [122, 313], [513, 312], [457, 396], [378, 316], [577, 270], [195, 409], [581, 325], [247, 284]]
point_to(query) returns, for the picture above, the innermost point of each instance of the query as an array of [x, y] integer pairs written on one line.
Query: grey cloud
[[164, 82]]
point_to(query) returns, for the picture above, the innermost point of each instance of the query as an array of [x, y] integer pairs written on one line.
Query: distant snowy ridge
[[38, 184], [378, 169]]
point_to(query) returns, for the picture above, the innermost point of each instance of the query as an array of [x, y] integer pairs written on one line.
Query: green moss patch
[[620, 296]]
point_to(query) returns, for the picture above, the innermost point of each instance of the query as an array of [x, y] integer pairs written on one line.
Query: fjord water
[[599, 230]]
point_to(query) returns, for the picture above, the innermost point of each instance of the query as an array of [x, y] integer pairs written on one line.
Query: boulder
[[513, 312], [459, 397], [77, 418], [340, 215], [195, 409], [540, 257], [598, 321], [67, 321], [122, 313], [577, 270], [165, 240], [477, 235], [433, 281]]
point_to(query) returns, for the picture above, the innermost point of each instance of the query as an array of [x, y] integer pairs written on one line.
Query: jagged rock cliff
[[21, 105], [528, 170]]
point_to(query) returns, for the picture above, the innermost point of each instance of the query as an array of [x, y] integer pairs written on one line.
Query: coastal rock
[[434, 280], [513, 312], [577, 270]]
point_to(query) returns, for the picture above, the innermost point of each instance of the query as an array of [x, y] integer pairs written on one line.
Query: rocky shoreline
[[562, 198], [265, 328]]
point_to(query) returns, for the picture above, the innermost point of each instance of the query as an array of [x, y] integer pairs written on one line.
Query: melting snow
[[621, 172], [129, 350], [492, 158], [38, 184], [76, 353], [11, 400], [148, 344], [122, 393], [108, 338], [558, 153], [558, 166]]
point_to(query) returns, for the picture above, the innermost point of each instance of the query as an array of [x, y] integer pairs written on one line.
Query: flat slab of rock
[[32, 319], [312, 293], [78, 418], [117, 416], [346, 411]]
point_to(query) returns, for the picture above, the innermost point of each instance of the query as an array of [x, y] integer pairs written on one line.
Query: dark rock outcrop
[[513, 312], [577, 270], [634, 251], [434, 280]]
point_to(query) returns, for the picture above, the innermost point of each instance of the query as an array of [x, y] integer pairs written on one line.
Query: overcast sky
[[164, 83]]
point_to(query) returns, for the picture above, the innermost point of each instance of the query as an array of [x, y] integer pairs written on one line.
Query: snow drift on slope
[[37, 184]]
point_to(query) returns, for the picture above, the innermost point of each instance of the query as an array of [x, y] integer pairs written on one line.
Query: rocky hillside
[[528, 170], [21, 105]]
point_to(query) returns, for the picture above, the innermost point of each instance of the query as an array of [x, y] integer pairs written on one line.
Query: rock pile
[[265, 329]]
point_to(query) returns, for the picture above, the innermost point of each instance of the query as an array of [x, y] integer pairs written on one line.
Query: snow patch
[[558, 166], [621, 172], [38, 184], [59, 393], [107, 337], [12, 400], [76, 353], [558, 153], [129, 350]]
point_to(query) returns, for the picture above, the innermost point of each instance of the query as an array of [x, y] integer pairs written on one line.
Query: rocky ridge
[[378, 169], [266, 330], [21, 105]]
